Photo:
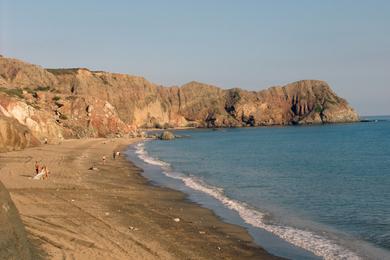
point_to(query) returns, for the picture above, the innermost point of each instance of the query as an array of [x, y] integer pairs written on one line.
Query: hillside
[[38, 104]]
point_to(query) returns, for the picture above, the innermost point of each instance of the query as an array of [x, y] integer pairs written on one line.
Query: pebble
[[133, 228]]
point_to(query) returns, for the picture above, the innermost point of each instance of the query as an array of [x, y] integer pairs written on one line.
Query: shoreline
[[113, 212], [181, 179], [227, 210]]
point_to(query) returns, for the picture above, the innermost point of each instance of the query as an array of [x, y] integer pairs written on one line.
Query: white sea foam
[[308, 240], [143, 155]]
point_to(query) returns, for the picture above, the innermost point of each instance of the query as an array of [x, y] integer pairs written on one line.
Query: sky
[[250, 44]]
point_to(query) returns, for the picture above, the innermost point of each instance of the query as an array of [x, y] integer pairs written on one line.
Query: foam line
[[308, 240]]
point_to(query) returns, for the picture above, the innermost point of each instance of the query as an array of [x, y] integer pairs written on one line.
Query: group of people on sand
[[41, 171]]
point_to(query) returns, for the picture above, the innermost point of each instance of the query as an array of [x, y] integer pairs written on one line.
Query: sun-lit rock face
[[14, 135], [39, 122], [63, 103]]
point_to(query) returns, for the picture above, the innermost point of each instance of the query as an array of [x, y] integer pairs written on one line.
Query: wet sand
[[112, 212]]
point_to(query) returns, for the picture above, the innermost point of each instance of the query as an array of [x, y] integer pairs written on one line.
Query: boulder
[[166, 135]]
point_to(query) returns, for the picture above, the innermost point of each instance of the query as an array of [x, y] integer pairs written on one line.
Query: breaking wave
[[308, 240]]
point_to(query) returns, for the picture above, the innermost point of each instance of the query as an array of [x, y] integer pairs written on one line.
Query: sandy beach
[[112, 212]]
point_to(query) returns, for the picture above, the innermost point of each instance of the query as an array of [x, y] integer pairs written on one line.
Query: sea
[[302, 192]]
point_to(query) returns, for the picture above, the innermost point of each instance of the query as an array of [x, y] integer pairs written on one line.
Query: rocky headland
[[47, 105]]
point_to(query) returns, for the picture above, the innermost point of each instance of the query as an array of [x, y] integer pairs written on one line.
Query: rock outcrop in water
[[166, 135], [64, 103]]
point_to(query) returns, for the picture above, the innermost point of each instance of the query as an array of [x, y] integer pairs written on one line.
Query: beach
[[112, 211]]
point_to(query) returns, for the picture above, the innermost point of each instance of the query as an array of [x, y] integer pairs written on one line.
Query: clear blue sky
[[248, 44]]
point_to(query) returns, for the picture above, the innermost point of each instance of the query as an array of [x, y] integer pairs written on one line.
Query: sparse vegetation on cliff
[[15, 92], [109, 103]]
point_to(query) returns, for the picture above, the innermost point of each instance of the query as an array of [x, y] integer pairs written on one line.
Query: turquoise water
[[323, 188]]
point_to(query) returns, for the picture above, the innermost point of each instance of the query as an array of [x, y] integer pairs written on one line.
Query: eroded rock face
[[14, 136], [85, 116], [143, 104], [57, 103], [38, 121], [13, 239], [18, 74]]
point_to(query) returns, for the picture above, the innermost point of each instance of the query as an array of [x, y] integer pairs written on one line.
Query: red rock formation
[[57, 103]]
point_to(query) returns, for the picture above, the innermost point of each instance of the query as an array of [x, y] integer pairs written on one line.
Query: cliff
[[61, 103]]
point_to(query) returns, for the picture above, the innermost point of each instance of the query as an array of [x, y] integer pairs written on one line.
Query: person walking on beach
[[104, 159], [37, 167], [114, 154]]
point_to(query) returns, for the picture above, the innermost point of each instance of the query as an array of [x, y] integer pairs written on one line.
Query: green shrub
[[63, 117], [42, 88], [318, 109], [58, 104], [167, 125], [62, 71], [36, 106], [29, 90], [330, 101], [15, 92], [158, 125], [71, 98]]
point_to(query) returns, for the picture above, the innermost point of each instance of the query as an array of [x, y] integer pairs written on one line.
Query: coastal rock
[[77, 103], [166, 135]]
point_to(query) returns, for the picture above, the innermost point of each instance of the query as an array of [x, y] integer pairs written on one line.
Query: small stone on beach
[[133, 228]]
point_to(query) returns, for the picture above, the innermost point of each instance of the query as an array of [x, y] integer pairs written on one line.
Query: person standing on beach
[[114, 154], [104, 159], [47, 172], [37, 167]]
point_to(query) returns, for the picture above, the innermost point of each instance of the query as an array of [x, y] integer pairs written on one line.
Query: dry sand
[[112, 212]]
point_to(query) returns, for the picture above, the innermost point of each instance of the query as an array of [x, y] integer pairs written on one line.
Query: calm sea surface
[[322, 188]]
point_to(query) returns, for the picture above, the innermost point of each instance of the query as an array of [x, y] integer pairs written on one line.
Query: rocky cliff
[[60, 103]]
